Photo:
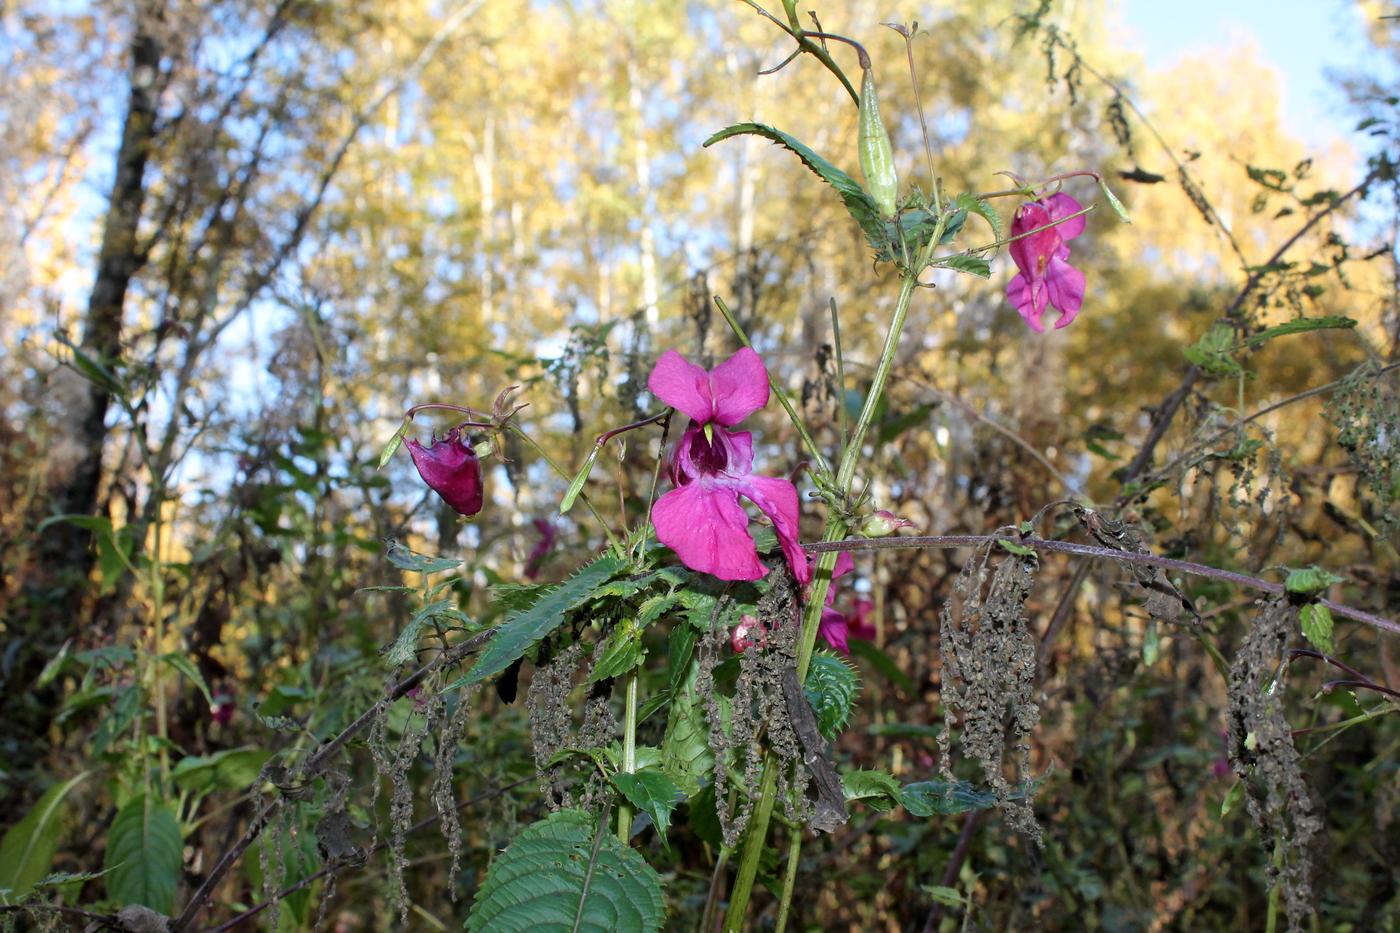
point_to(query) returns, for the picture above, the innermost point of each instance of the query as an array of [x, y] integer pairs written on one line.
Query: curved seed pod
[[876, 154]]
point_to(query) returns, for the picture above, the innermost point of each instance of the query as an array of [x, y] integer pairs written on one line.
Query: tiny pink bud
[[748, 633], [450, 467], [882, 524]]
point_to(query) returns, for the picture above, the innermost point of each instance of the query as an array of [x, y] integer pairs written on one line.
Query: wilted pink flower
[[1045, 277], [701, 519], [451, 469], [221, 711], [748, 633], [542, 547]]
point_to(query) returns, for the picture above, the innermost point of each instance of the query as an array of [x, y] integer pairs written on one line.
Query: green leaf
[[1299, 326], [831, 689], [143, 855], [232, 769], [962, 262], [185, 666], [859, 204], [580, 478], [927, 798], [621, 653], [982, 209], [523, 630], [651, 792], [1317, 626], [685, 749], [1020, 550], [1212, 352], [405, 646], [1114, 203], [91, 369], [26, 852], [551, 879], [875, 788], [1310, 580], [950, 897], [1232, 798], [408, 559]]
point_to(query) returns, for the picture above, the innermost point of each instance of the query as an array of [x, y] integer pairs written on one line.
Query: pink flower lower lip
[[1046, 279]]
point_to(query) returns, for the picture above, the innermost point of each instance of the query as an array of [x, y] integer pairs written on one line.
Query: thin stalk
[[753, 848], [789, 876], [629, 755], [818, 458], [1271, 917], [707, 916], [842, 417]]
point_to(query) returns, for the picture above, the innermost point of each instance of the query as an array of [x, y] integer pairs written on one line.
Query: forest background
[[240, 239]]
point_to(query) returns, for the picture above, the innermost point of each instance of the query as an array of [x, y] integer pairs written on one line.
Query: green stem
[[789, 877], [819, 460], [629, 755], [1271, 917], [811, 616]]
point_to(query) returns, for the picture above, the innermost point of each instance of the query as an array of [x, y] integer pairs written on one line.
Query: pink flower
[[451, 469], [221, 711], [1045, 277], [748, 633], [701, 519], [836, 627], [542, 547]]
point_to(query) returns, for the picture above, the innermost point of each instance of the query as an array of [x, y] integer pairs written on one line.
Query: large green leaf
[[519, 633], [231, 769], [685, 749], [859, 205], [26, 853], [551, 878], [143, 855], [926, 798]]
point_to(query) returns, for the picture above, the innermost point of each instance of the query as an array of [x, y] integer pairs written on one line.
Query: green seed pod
[[876, 154]]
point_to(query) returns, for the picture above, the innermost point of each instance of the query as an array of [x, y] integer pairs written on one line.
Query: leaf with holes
[[523, 630], [566, 873], [28, 847], [143, 855], [832, 686]]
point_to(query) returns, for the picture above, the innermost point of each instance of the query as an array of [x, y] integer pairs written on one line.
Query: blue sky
[[1304, 39]]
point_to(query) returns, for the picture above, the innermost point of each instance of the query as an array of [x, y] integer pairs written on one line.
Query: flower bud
[[450, 467], [748, 633], [882, 524]]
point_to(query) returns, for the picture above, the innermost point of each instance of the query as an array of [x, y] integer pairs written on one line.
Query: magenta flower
[[701, 519], [836, 627], [451, 469], [542, 547], [1045, 277]]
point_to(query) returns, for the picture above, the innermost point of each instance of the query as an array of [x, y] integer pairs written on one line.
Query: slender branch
[[1103, 553]]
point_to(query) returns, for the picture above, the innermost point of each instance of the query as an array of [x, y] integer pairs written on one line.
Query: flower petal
[[777, 498], [1060, 206], [682, 385], [833, 629], [708, 529], [1066, 287], [1018, 292], [450, 467], [739, 387]]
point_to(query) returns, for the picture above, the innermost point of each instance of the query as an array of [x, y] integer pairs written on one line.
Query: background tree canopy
[[240, 239]]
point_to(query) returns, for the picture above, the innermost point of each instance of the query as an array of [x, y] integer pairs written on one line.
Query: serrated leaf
[[185, 666], [860, 205], [1316, 621], [27, 851], [961, 262], [651, 792], [143, 855], [831, 690], [232, 769], [550, 879], [523, 630], [950, 897], [1310, 580], [405, 646], [408, 559], [982, 209], [1211, 353], [685, 749], [621, 653], [877, 789]]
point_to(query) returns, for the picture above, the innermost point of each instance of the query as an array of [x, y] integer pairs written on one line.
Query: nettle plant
[[697, 664]]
